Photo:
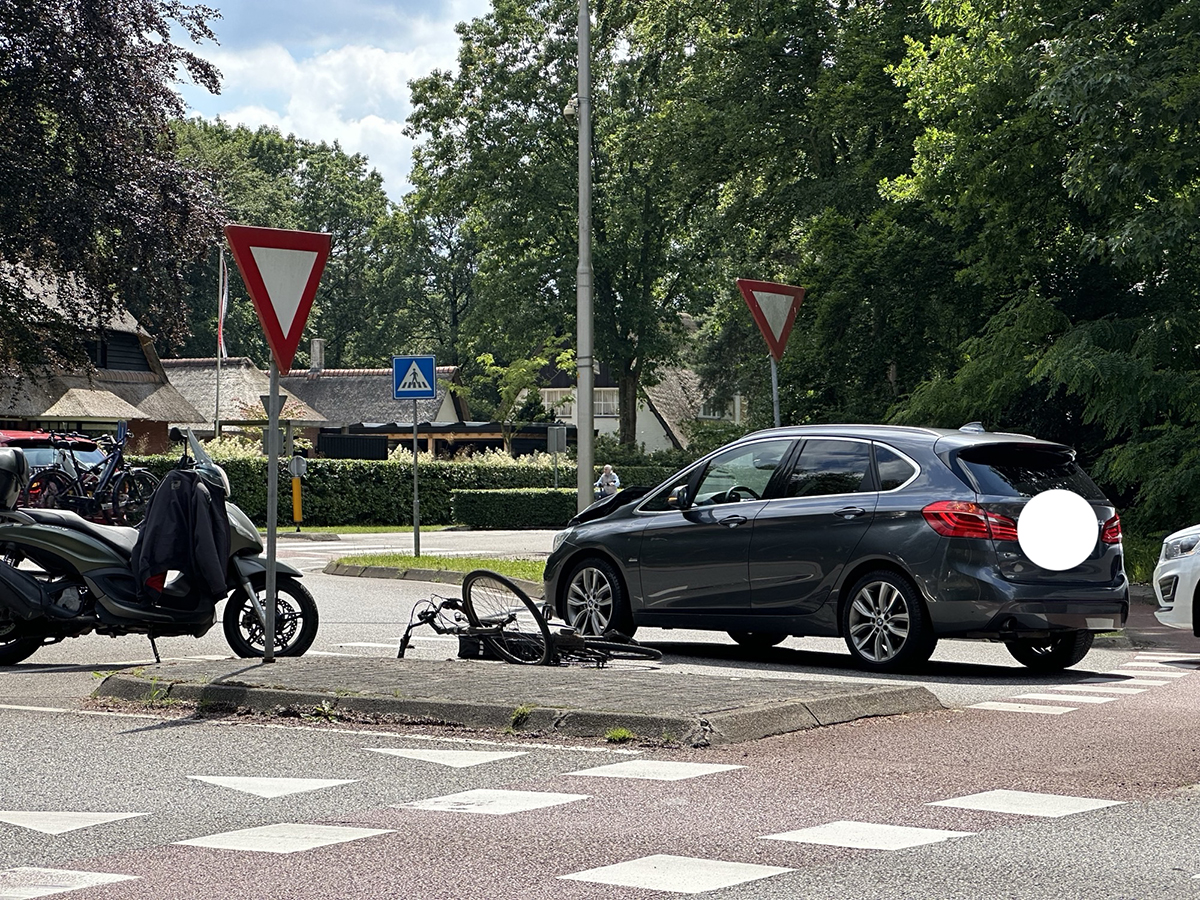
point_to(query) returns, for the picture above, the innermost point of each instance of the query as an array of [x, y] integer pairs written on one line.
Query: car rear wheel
[[885, 624], [758, 640], [596, 601], [1052, 654]]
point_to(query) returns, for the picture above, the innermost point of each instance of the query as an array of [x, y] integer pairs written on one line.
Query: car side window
[[741, 473], [894, 470], [830, 467]]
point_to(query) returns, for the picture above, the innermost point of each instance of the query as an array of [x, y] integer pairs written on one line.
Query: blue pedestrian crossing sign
[[413, 377]]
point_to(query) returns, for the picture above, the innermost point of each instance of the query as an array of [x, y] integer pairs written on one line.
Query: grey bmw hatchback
[[889, 537]]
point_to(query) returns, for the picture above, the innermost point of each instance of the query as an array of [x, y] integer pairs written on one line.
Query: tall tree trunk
[[627, 397]]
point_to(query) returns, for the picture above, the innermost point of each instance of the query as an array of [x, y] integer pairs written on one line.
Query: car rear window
[[1010, 471]]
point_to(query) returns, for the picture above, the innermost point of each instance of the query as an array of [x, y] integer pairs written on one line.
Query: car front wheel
[[1052, 654], [596, 601], [885, 625]]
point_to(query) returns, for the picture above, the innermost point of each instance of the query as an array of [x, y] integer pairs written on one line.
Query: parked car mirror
[[678, 498]]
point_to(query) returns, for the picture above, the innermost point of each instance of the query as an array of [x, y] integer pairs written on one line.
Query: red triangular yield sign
[[281, 270], [774, 308]]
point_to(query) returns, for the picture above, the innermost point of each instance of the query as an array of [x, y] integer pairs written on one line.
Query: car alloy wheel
[[595, 601], [884, 623]]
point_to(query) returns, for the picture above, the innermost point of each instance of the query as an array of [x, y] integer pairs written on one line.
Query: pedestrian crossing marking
[[1156, 673], [1110, 688], [27, 882], [1155, 664], [1026, 803], [867, 835], [1023, 708], [286, 837], [272, 787], [1066, 698], [456, 759], [494, 802], [49, 822], [655, 770], [414, 380], [680, 874]]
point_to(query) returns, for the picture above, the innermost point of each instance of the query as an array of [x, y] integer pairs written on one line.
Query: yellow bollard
[[297, 517]]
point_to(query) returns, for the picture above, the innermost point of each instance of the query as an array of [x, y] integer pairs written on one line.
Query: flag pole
[[222, 300]]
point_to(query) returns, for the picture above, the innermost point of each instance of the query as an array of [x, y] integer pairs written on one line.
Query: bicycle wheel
[[47, 489], [622, 651], [492, 601], [131, 494]]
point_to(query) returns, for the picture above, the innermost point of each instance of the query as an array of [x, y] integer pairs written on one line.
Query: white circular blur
[[1058, 530]]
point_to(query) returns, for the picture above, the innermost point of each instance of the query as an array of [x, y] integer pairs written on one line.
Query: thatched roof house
[[242, 386]]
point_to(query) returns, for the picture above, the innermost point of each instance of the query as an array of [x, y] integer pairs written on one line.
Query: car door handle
[[732, 521], [850, 512]]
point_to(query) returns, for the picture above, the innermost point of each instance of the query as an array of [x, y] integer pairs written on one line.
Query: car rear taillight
[[1111, 533], [959, 518]]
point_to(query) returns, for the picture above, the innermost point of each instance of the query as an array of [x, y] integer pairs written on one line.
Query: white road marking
[[867, 835], [494, 803], [1023, 708], [1122, 681], [1158, 673], [287, 837], [272, 787], [655, 770], [1109, 688], [1185, 657], [1066, 698], [1025, 803], [26, 882], [1150, 664], [456, 759], [49, 822], [681, 874]]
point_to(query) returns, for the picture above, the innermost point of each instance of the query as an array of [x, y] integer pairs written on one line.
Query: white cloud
[[356, 93]]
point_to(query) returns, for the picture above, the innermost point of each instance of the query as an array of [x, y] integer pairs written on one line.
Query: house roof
[[242, 386], [109, 395], [675, 400], [351, 396]]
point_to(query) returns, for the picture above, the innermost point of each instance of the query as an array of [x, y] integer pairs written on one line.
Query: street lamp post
[[583, 273]]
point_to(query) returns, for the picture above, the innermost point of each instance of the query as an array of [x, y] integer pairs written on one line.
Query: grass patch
[[358, 529], [619, 735], [526, 569]]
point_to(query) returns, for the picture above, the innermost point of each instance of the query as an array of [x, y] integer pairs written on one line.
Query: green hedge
[[379, 492], [514, 508]]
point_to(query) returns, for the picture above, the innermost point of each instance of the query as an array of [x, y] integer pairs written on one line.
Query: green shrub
[[379, 492], [516, 508]]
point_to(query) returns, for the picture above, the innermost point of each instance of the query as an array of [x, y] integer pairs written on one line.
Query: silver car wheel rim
[[879, 621], [590, 602]]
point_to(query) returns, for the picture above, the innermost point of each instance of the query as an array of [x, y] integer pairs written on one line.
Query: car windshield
[[1010, 471]]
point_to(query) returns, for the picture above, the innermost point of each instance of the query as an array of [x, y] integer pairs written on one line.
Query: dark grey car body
[[784, 564]]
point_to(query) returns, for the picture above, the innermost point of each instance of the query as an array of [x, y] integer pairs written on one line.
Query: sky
[[329, 70]]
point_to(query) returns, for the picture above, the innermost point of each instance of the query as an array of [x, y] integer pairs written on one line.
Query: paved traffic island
[[653, 704]]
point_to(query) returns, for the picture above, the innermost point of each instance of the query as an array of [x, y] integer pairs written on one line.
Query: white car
[[1176, 577]]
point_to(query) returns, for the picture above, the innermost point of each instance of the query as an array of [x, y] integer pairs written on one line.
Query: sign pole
[[416, 498], [272, 514], [775, 389]]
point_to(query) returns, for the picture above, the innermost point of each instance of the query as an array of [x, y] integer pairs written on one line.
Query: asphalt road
[[785, 817]]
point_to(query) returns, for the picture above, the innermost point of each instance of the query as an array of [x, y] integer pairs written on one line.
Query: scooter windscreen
[[208, 470]]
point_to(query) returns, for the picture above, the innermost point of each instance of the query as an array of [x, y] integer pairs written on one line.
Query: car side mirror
[[678, 498]]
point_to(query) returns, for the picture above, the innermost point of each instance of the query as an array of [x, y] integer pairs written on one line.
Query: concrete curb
[[696, 712], [435, 576]]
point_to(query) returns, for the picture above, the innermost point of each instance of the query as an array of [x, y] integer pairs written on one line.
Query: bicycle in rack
[[109, 492], [497, 612]]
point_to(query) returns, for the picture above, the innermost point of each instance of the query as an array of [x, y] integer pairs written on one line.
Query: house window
[[714, 409], [560, 401], [605, 402]]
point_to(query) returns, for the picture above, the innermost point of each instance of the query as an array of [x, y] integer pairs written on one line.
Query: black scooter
[[62, 576]]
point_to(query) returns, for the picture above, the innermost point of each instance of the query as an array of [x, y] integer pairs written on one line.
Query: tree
[[497, 153], [97, 213]]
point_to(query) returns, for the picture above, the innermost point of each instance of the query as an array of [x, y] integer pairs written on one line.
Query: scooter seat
[[120, 537]]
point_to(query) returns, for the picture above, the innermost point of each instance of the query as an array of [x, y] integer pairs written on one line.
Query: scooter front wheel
[[15, 649], [295, 619]]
